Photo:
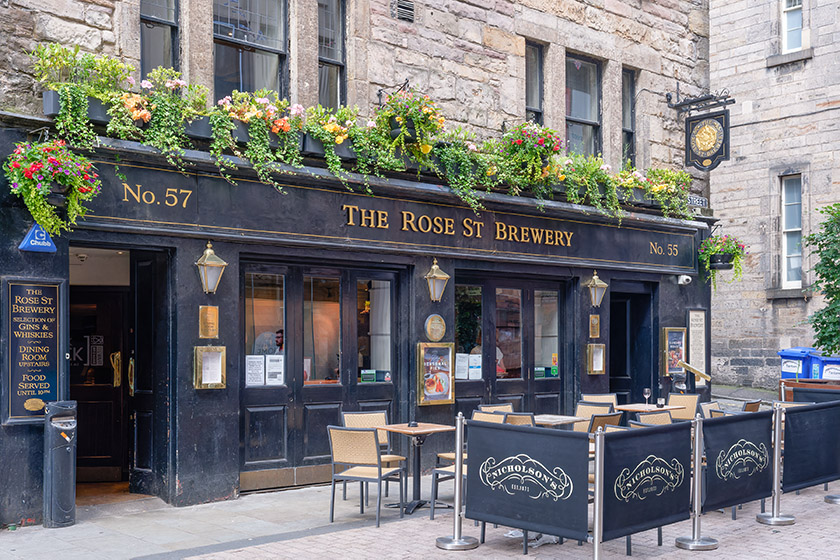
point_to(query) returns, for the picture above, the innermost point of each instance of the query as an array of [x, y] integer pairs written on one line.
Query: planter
[[721, 261], [58, 199], [411, 131], [637, 197], [315, 148], [199, 128], [240, 132], [97, 111]]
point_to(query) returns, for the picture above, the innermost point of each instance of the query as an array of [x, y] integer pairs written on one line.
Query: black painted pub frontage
[[322, 308]]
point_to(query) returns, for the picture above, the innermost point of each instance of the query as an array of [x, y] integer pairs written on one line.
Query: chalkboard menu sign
[[32, 331]]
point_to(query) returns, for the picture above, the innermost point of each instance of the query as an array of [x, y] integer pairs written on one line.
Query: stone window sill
[[779, 59], [805, 292]]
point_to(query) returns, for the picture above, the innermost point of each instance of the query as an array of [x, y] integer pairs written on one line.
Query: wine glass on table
[[646, 393]]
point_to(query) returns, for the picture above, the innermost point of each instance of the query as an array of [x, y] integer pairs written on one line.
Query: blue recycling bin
[[824, 367], [796, 362]]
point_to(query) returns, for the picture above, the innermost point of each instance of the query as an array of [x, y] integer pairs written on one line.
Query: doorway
[[118, 306], [631, 346]]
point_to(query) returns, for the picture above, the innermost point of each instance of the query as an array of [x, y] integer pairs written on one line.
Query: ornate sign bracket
[[706, 133], [706, 102]]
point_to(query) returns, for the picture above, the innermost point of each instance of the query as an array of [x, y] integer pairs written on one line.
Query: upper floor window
[[158, 34], [533, 83], [583, 106], [249, 45], [791, 25], [331, 53], [628, 118], [792, 232]]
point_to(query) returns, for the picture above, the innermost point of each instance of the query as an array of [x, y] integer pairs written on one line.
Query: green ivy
[[259, 153], [72, 120], [222, 125], [826, 245]]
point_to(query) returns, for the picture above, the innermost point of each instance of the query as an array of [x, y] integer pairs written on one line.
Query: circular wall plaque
[[435, 327]]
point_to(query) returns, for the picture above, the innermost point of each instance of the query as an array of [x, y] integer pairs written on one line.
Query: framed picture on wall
[[435, 365], [673, 350]]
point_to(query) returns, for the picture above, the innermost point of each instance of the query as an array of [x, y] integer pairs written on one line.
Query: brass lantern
[[210, 269], [436, 278], [597, 289]]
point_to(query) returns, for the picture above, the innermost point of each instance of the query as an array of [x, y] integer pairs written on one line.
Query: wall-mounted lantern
[[210, 269], [597, 289], [436, 278]]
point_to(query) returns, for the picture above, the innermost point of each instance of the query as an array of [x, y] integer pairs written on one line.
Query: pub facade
[[324, 306]]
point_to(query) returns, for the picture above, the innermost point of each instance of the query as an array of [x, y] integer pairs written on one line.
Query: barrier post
[[697, 542], [457, 541], [598, 505], [774, 517]]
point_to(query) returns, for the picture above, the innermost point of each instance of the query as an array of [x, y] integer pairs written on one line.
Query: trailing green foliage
[[825, 244]]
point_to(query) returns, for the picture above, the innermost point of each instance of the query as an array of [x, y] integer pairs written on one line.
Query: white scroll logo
[[653, 476], [742, 459], [521, 474]]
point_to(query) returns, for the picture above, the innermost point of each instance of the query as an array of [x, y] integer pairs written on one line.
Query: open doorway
[[631, 343]]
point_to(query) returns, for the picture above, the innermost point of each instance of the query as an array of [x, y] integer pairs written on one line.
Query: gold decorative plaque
[[594, 326], [209, 367], [208, 321], [435, 327], [34, 404]]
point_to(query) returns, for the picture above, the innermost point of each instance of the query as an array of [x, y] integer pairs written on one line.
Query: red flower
[[53, 161], [541, 141], [518, 141], [60, 142], [86, 177], [27, 173], [15, 165]]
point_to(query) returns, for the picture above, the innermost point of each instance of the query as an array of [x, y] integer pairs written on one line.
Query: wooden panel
[[546, 403], [266, 478], [517, 400], [267, 434], [313, 474], [316, 418], [466, 406], [143, 440]]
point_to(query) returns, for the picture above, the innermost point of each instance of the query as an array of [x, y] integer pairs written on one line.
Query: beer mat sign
[[647, 479], [533, 479], [739, 455], [32, 331], [812, 448]]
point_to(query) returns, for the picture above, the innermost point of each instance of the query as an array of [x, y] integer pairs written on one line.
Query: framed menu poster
[[673, 349], [435, 373]]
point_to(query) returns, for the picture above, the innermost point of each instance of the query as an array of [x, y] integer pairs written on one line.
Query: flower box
[[314, 147], [199, 128], [97, 111]]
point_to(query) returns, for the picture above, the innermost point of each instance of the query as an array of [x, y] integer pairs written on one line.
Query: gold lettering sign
[[208, 321]]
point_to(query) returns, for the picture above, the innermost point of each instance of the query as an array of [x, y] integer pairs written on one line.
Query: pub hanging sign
[[707, 140]]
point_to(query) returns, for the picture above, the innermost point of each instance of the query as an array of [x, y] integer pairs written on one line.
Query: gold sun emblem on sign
[[707, 137], [34, 405]]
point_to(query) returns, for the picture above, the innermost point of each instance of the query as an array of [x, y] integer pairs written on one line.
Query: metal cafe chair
[[356, 457], [479, 415], [603, 420], [688, 401], [371, 419], [658, 418], [585, 410], [498, 407], [635, 424], [611, 398], [717, 413], [611, 428], [520, 418], [707, 407], [751, 406]]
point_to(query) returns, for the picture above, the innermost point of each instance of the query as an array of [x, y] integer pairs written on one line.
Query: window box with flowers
[[722, 252], [529, 162], [413, 122], [328, 132]]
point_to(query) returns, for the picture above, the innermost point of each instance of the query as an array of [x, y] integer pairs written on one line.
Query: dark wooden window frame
[[340, 64], [598, 86], [147, 20], [629, 154], [536, 111]]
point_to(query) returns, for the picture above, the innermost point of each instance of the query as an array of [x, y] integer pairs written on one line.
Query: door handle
[[116, 365], [131, 377]]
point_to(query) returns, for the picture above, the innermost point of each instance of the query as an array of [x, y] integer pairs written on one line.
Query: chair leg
[[762, 505], [332, 500], [434, 495], [361, 497], [387, 484], [628, 546], [483, 528], [344, 490], [367, 493], [734, 515], [378, 500], [524, 542], [659, 536], [402, 495]]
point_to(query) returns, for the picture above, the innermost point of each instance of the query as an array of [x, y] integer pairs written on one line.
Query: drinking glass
[[646, 393]]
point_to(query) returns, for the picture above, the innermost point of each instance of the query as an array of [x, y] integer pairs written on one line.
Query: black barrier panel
[[647, 479], [739, 459], [812, 445], [529, 478], [815, 395]]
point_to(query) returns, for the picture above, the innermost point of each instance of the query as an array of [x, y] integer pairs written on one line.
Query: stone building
[[314, 259], [780, 62]]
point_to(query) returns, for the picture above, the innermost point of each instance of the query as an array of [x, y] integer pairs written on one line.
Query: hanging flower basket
[[721, 261]]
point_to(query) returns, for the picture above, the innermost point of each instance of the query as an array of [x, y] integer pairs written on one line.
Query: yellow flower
[[340, 139], [425, 148], [399, 119], [491, 170], [561, 177]]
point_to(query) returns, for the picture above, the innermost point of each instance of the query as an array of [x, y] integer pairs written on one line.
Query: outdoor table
[[642, 407], [418, 435], [555, 419]]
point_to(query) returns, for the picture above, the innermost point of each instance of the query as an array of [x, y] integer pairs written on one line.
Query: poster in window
[[254, 370], [673, 348], [275, 370], [435, 373]]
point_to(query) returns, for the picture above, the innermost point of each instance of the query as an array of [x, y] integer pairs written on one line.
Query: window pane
[[793, 189], [330, 30], [155, 46], [244, 70], [264, 329], [627, 100], [793, 243], [546, 338], [792, 3], [628, 153], [329, 85], [533, 77], [793, 25], [533, 116], [794, 269], [793, 216], [581, 90], [255, 21], [580, 138], [161, 9], [321, 330], [508, 333], [226, 70], [373, 328]]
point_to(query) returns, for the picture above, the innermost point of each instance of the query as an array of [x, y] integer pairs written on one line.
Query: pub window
[[533, 83], [508, 333], [583, 106], [331, 53], [628, 118], [792, 232], [158, 34], [373, 329], [321, 330], [546, 334], [468, 330], [791, 25], [249, 40], [265, 330]]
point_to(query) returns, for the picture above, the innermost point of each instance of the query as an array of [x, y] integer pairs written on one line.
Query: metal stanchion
[[774, 517], [833, 499], [598, 505], [457, 541], [697, 541]]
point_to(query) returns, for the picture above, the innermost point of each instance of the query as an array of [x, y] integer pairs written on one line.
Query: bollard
[[774, 517], [697, 541], [598, 505], [457, 541]]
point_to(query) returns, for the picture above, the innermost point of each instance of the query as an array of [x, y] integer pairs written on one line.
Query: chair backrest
[[611, 398], [353, 446], [635, 424], [604, 420], [752, 406], [369, 419], [658, 418], [689, 401], [718, 413], [482, 416], [498, 407], [611, 428], [586, 410], [707, 407], [520, 418]]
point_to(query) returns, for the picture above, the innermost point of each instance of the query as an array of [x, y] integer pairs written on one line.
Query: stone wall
[[784, 122]]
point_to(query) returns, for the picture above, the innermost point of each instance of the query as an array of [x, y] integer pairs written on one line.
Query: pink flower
[[296, 110], [224, 101], [130, 80], [146, 84], [371, 124], [263, 100], [606, 167], [471, 147]]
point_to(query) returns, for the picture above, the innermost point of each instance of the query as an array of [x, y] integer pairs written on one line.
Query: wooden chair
[[520, 418], [498, 407], [371, 419], [707, 407], [751, 406], [611, 398], [689, 401], [635, 424], [356, 457], [718, 413], [659, 418], [586, 410], [611, 428], [603, 420]]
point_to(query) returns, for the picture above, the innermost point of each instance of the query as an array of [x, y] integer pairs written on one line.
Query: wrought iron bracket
[[380, 91], [705, 102]]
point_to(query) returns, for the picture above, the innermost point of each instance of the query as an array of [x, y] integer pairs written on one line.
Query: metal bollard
[[598, 505], [697, 541], [774, 517], [457, 541]]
